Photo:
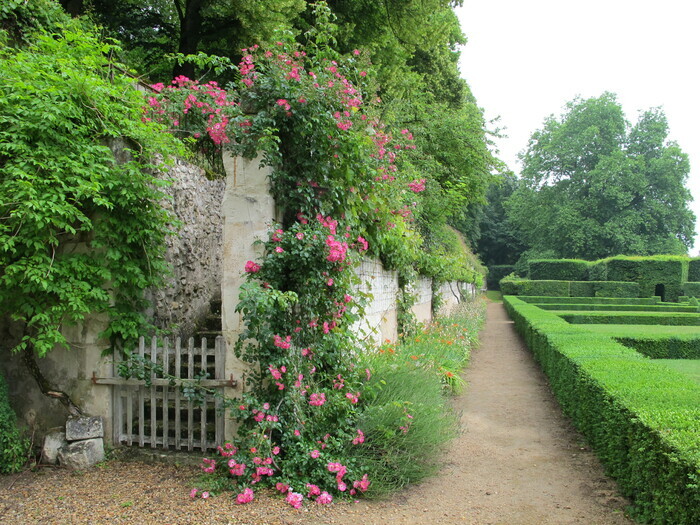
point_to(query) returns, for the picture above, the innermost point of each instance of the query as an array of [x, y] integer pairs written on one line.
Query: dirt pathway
[[517, 461]]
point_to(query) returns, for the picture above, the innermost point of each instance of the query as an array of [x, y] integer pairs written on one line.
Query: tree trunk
[[29, 359], [73, 7], [190, 34]]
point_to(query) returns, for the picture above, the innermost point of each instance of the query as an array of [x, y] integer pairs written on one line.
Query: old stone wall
[[194, 252], [380, 321]]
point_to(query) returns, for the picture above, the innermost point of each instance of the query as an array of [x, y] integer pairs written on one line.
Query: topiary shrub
[[694, 270], [558, 269], [13, 447], [691, 289]]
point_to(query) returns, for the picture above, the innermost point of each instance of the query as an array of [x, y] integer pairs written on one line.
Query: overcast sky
[[526, 59]]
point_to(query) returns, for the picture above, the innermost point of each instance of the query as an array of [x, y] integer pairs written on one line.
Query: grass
[[689, 367], [494, 296]]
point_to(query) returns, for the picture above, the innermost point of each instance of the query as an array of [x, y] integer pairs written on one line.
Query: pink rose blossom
[[294, 499], [245, 497], [313, 490], [317, 399], [324, 498]]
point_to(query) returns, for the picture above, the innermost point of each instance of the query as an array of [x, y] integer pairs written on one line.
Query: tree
[[499, 243], [593, 186]]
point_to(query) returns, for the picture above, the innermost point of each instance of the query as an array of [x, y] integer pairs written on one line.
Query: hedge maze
[[626, 370], [667, 277]]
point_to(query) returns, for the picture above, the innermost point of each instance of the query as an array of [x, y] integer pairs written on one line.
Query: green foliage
[[496, 273], [663, 347], [14, 448], [412, 378], [669, 271], [694, 270], [499, 242], [21, 19], [691, 289], [639, 416], [512, 285], [80, 232], [594, 186], [558, 269], [517, 286], [641, 318]]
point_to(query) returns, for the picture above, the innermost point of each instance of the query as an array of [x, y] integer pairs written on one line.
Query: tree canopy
[[593, 185]]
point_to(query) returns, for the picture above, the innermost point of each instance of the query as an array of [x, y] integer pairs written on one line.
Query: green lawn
[[494, 296], [689, 367]]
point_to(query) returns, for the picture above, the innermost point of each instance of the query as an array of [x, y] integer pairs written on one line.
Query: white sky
[[526, 58]]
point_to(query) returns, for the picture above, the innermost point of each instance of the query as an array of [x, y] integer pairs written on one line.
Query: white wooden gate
[[159, 416]]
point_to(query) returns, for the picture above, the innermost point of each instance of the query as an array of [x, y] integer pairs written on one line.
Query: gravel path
[[517, 461]]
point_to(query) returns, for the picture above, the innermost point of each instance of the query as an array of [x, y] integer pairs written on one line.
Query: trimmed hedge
[[664, 319], [658, 308], [517, 286], [694, 270], [670, 271], [590, 300], [663, 347], [691, 289], [496, 273], [558, 269], [617, 289], [642, 418], [551, 288]]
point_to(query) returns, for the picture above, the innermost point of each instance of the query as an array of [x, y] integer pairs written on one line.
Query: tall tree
[[594, 186]]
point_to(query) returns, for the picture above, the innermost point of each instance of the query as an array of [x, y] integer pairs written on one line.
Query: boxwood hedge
[[642, 418], [558, 269]]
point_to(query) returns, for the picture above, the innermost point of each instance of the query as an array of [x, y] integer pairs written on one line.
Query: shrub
[[691, 289], [13, 447], [517, 286], [640, 417], [694, 270], [663, 347], [670, 271], [616, 289], [558, 269]]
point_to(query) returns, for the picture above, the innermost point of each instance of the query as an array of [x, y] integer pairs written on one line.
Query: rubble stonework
[[194, 252]]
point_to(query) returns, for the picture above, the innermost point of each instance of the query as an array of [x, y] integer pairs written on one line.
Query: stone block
[[79, 428], [81, 455], [53, 441]]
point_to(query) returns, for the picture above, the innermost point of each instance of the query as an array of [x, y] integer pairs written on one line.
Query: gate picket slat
[[154, 359], [141, 395], [203, 408], [166, 370], [118, 416], [190, 407], [129, 416], [178, 414], [220, 372]]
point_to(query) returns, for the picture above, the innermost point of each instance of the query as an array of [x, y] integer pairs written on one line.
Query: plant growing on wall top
[[80, 232]]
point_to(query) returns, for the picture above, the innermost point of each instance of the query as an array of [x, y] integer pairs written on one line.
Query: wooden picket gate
[[159, 416]]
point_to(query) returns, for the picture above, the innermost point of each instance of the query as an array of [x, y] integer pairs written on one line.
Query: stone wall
[[423, 307], [194, 252], [380, 321]]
